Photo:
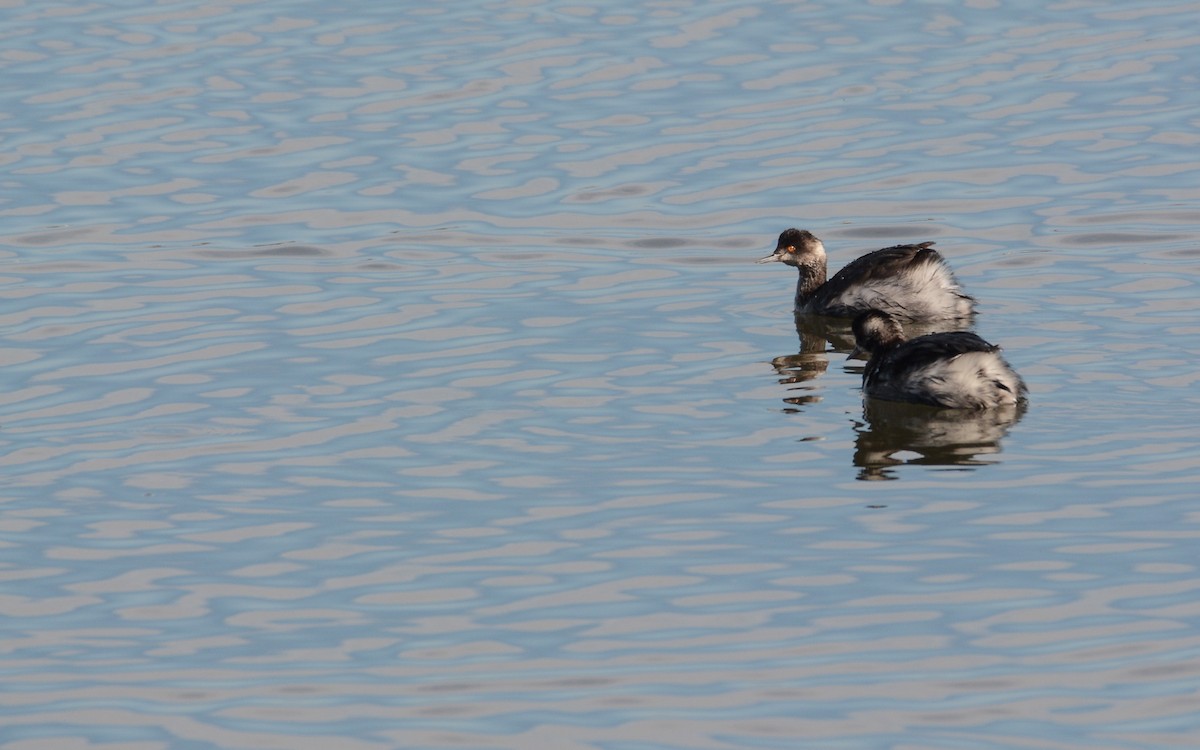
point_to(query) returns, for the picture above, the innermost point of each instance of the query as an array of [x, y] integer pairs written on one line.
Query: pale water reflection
[[398, 376]]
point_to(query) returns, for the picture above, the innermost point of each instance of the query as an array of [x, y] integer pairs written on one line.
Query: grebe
[[910, 282], [955, 369]]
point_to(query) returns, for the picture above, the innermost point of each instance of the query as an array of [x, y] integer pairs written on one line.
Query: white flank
[[926, 291], [970, 380]]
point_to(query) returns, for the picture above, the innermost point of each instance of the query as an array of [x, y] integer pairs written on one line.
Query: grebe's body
[[909, 282], [955, 369]]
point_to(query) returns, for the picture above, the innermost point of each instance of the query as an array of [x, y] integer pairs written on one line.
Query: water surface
[[400, 377]]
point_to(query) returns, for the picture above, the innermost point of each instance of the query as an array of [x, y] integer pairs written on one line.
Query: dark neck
[[811, 279]]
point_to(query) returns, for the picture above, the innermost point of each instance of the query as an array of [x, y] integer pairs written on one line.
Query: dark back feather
[[894, 369], [878, 267]]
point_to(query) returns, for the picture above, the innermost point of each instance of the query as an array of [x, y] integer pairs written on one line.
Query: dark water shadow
[[822, 339], [796, 371], [937, 437], [817, 330], [274, 250]]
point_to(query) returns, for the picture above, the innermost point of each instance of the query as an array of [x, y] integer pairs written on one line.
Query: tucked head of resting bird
[[955, 369]]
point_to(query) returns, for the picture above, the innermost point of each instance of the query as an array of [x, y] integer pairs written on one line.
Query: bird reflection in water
[[937, 437], [796, 370], [819, 335], [889, 430]]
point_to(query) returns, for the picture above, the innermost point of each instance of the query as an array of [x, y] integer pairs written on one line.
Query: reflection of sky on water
[[532, 116], [400, 375]]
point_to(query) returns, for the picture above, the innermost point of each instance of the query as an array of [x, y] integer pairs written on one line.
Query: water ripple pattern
[[397, 375]]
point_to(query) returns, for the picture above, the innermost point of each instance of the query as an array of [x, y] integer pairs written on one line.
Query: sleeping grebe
[[910, 282], [953, 369]]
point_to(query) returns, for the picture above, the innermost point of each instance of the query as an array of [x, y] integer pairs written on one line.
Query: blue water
[[400, 377]]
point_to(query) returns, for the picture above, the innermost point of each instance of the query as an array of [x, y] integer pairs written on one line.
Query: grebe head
[[875, 330], [797, 247]]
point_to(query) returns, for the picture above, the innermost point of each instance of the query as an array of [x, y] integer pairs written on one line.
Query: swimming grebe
[[955, 369], [910, 282]]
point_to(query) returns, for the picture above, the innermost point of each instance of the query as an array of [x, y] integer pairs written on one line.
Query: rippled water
[[398, 376]]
